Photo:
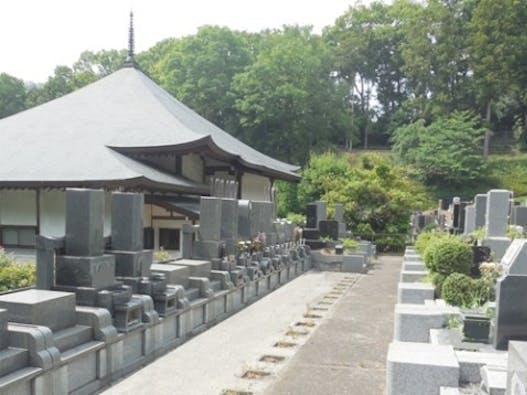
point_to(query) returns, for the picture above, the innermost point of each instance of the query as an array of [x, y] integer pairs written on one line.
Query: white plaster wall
[[18, 207], [255, 187], [192, 167], [52, 213]]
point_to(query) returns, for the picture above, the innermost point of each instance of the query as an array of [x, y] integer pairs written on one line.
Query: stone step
[[493, 379], [12, 359], [72, 337]]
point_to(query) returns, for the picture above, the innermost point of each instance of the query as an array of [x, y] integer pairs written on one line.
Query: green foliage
[[13, 275], [460, 290], [299, 219], [199, 70], [377, 195], [349, 245], [451, 255], [446, 151], [438, 279], [515, 232], [161, 255], [287, 198], [12, 95], [288, 104], [428, 244]]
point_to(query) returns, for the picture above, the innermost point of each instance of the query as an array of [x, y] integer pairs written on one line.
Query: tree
[[498, 47], [287, 102], [199, 70], [366, 44], [446, 151], [377, 195], [12, 95]]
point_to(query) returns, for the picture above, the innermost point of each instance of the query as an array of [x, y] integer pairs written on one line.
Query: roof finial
[[130, 60]]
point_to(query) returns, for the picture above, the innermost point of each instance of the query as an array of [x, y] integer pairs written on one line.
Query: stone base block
[[207, 249], [354, 264], [414, 266], [174, 274], [419, 368], [53, 309], [412, 322], [470, 364], [132, 263], [415, 293], [412, 257], [198, 268], [412, 276], [498, 245], [517, 367], [95, 272]]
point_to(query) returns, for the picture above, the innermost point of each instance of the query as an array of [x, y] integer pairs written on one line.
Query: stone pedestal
[[86, 271], [53, 309]]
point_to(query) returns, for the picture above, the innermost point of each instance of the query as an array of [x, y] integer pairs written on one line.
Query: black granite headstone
[[311, 216], [329, 228]]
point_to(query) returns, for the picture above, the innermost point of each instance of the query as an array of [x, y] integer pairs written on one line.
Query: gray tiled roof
[[73, 138]]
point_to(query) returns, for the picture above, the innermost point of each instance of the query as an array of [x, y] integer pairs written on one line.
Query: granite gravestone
[[329, 228], [470, 219], [456, 212], [497, 212], [210, 218], [480, 206], [315, 212], [90, 276], [519, 216], [510, 322], [244, 222]]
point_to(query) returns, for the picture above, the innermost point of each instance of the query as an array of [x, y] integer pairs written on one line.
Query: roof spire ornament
[[130, 60]]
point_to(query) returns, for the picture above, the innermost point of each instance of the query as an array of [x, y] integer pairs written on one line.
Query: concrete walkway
[[347, 354], [337, 327]]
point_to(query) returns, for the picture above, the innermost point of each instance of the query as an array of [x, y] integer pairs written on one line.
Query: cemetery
[[460, 323], [152, 246], [102, 309]]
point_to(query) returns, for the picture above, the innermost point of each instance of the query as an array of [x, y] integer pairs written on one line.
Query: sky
[[37, 35]]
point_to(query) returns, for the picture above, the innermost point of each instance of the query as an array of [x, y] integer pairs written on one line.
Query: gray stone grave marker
[[510, 322]]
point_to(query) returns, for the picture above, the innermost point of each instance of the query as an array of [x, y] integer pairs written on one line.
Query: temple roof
[[83, 137]]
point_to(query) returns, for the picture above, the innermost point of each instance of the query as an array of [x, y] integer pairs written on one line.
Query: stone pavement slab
[[347, 353]]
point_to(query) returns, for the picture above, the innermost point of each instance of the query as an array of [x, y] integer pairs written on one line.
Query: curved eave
[[207, 144], [140, 183]]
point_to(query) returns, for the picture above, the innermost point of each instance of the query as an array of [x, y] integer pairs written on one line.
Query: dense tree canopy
[[377, 69]]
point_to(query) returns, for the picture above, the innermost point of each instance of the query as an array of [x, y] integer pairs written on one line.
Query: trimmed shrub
[[458, 290], [451, 255], [438, 280], [422, 241], [13, 275], [426, 243]]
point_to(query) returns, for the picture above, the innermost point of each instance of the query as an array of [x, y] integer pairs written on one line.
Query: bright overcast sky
[[37, 35]]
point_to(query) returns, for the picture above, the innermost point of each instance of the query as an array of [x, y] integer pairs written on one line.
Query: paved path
[[339, 349], [347, 354]]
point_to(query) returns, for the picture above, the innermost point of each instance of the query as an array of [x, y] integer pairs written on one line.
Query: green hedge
[[13, 275]]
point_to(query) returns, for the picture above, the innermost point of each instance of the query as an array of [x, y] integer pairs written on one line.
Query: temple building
[[122, 132]]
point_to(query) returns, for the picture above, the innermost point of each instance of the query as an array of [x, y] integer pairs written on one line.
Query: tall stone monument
[[85, 269]]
